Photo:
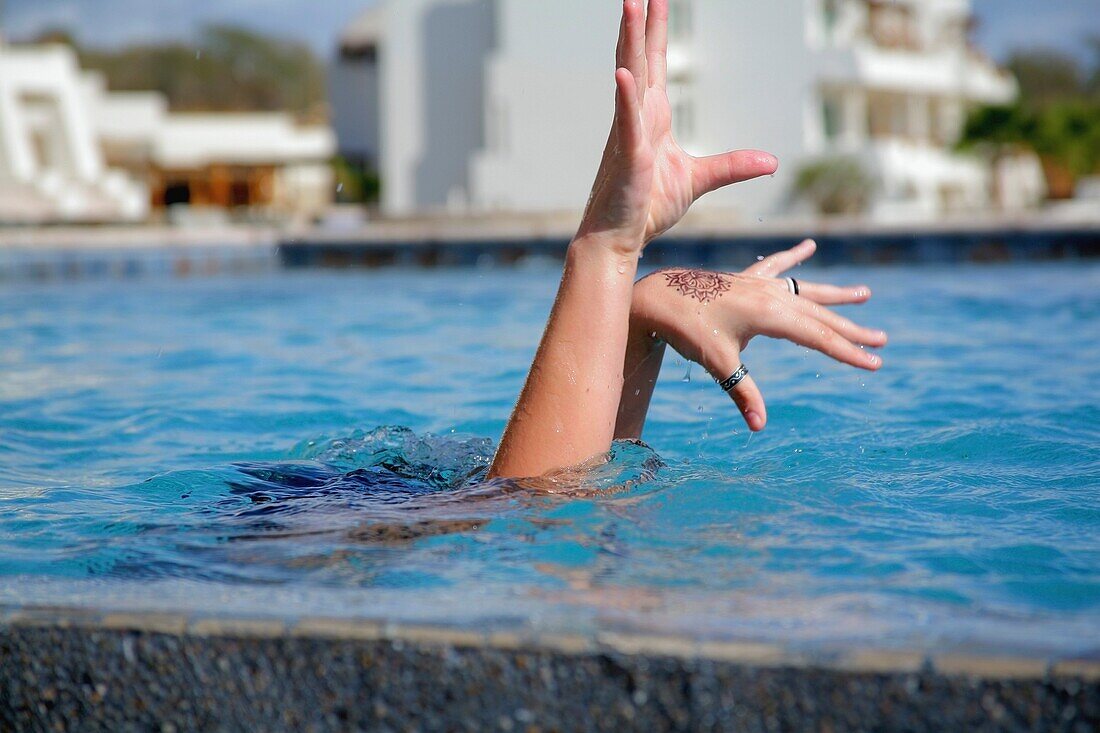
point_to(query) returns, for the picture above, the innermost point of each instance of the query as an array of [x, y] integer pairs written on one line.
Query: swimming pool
[[204, 444]]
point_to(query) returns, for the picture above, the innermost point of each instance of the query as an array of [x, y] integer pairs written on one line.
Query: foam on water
[[211, 445]]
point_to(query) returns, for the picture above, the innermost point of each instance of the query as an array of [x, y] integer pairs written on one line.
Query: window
[[680, 20], [831, 118], [830, 11], [367, 54]]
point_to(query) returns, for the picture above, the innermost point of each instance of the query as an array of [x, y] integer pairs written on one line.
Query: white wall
[[40, 89], [754, 83], [433, 77], [50, 157], [549, 104], [504, 105], [548, 100], [551, 97]]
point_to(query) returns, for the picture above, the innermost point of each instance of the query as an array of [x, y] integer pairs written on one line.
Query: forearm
[[567, 410], [644, 354]]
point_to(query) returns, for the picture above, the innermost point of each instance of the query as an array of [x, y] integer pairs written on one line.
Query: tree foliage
[[227, 69], [835, 186], [1057, 115], [1046, 76]]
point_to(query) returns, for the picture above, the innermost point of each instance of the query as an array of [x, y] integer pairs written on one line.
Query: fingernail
[[755, 421]]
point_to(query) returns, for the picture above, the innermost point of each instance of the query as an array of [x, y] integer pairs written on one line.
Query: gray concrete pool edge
[[66, 668]]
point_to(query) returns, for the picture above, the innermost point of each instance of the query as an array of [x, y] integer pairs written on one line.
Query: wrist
[[604, 250]]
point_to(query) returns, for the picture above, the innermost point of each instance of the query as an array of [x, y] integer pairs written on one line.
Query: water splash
[[329, 508]]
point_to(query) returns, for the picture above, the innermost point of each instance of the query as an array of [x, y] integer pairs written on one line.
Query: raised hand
[[646, 182], [710, 317], [567, 411]]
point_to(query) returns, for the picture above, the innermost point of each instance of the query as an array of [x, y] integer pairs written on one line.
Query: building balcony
[[955, 73], [919, 179]]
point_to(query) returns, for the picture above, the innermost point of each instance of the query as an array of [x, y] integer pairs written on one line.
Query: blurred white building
[[51, 166], [504, 105], [72, 151]]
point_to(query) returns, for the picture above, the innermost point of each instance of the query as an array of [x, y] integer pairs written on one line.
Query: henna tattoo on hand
[[702, 285]]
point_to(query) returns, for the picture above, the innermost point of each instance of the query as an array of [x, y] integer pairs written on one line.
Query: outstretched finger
[[717, 171], [631, 53], [778, 263], [746, 395], [792, 325], [656, 42], [833, 295], [725, 365], [852, 331], [628, 110], [750, 402]]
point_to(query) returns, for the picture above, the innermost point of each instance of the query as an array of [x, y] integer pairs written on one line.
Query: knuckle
[[773, 305]]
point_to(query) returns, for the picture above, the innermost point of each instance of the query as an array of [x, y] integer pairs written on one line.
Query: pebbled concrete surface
[[76, 670]]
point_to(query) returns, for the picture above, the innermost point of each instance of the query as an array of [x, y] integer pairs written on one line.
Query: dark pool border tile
[[81, 669]]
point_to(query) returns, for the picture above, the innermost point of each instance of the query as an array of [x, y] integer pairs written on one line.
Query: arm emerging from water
[[568, 408]]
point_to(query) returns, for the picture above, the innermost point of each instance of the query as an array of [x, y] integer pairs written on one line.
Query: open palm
[[646, 182]]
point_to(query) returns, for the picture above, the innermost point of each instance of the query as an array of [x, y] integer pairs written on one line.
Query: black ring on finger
[[792, 285], [735, 379]]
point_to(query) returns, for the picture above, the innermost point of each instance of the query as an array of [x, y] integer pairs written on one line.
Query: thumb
[[717, 171]]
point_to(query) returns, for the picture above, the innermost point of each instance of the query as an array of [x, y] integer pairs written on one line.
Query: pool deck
[[72, 669], [51, 253]]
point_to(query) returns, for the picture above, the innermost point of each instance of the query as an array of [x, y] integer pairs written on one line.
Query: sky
[[1003, 24]]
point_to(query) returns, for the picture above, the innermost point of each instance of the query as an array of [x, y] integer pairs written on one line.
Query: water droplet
[[817, 376], [687, 374], [339, 187], [637, 392], [622, 269], [760, 220], [759, 258], [716, 332]]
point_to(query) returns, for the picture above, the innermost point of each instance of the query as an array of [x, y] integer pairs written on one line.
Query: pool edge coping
[[856, 660]]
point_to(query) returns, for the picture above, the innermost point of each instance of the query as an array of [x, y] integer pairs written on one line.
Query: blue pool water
[[311, 442]]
